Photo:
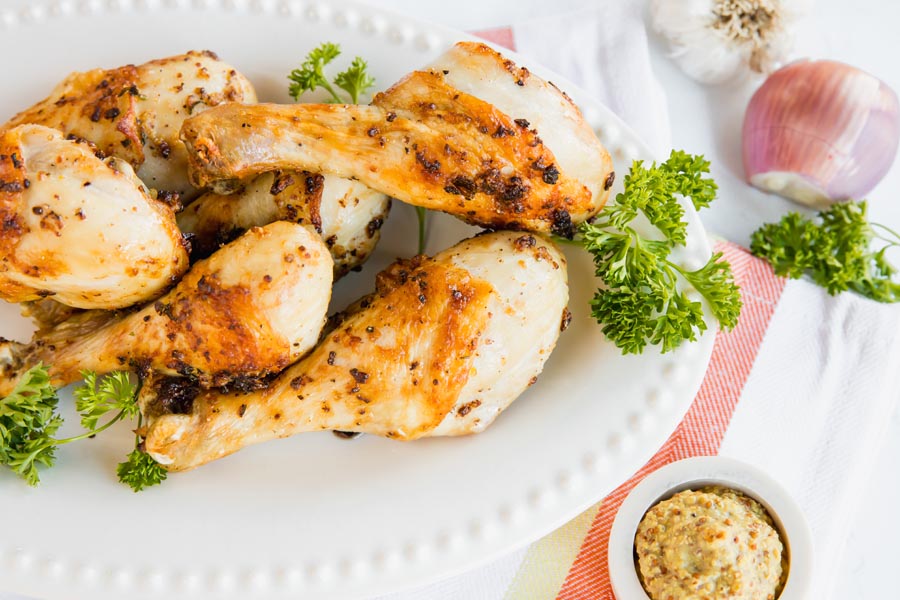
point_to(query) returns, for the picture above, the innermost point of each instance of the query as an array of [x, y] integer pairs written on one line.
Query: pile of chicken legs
[[156, 218]]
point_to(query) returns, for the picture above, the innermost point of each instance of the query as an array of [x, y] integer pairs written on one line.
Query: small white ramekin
[[692, 473]]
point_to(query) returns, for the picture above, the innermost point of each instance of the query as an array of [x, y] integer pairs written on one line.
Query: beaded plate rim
[[443, 553]]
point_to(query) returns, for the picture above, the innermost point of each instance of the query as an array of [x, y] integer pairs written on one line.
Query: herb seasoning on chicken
[[453, 138], [135, 112], [225, 321], [440, 349]]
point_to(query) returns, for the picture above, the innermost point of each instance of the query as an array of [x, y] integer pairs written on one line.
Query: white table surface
[[707, 120]]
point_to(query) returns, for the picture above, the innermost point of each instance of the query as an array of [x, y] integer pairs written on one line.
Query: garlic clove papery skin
[[727, 41], [820, 132], [702, 52]]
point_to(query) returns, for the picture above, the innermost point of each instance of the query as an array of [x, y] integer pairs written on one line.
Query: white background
[[863, 33]]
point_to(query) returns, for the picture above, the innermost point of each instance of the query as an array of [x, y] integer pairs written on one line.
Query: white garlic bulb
[[714, 41]]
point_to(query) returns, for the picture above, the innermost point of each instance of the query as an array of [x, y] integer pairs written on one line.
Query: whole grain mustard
[[713, 543]]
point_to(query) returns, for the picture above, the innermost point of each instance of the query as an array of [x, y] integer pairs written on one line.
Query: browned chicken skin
[[248, 311], [78, 229], [99, 106], [347, 214], [401, 157], [390, 152], [424, 142], [442, 348], [135, 112]]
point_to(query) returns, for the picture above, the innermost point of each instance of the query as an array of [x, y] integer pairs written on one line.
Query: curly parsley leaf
[[641, 302], [311, 74], [28, 422], [788, 245], [651, 192], [690, 181], [681, 319], [835, 249], [627, 317], [355, 80], [114, 393], [715, 282], [140, 471]]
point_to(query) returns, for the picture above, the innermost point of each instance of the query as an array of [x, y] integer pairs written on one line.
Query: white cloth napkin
[[816, 407], [604, 50]]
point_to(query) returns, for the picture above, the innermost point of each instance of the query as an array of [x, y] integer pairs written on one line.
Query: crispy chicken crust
[[79, 229], [135, 112], [426, 142], [247, 312], [347, 214], [441, 348]]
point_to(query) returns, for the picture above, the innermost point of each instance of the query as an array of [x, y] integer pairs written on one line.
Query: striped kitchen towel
[[800, 388]]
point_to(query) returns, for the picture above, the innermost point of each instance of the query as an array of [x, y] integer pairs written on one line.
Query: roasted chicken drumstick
[[477, 69], [443, 346], [347, 214], [425, 142], [80, 230], [135, 112], [248, 311]]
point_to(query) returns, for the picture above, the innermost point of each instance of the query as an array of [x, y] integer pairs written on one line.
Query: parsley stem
[[422, 215], [337, 99], [889, 243], [564, 240], [137, 436], [673, 269], [889, 230], [92, 432], [680, 270]]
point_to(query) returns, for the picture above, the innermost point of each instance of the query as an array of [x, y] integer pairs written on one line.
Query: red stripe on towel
[[502, 36], [704, 426]]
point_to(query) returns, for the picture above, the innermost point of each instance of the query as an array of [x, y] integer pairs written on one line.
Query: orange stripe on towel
[[702, 430]]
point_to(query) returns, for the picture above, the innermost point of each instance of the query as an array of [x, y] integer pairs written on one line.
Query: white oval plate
[[316, 515]]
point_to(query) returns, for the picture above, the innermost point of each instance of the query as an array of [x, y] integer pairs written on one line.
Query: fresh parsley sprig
[[355, 80], [29, 421], [641, 302], [140, 470], [835, 249], [114, 393]]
